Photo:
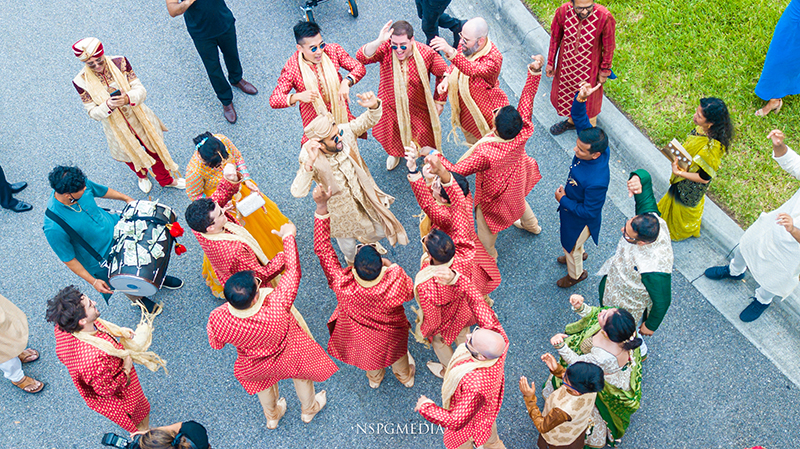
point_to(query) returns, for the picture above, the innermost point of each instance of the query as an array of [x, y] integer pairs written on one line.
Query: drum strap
[[74, 236]]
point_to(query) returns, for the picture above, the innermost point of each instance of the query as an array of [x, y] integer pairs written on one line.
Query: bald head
[[489, 343], [474, 35]]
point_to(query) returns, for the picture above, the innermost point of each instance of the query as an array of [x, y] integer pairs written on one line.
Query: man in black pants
[[433, 17], [211, 25], [7, 201]]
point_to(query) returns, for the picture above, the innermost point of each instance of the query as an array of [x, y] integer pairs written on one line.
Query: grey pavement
[[705, 384]]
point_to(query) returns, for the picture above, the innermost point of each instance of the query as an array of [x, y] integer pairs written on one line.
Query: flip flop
[[29, 385], [29, 355]]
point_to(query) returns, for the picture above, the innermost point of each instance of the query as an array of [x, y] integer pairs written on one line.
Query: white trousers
[[739, 266], [12, 369], [348, 244]]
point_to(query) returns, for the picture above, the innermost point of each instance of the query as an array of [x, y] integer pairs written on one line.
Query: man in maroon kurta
[[472, 391], [369, 328], [505, 173], [582, 34], [448, 206], [108, 384], [419, 109], [269, 342], [316, 55], [477, 63], [220, 236]]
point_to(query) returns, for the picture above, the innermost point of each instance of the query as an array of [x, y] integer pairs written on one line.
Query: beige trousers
[[305, 393], [575, 258], [145, 424], [488, 239], [494, 441], [401, 370], [444, 351]]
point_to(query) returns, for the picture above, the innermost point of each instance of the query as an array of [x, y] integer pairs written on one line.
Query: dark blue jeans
[[209, 52], [433, 17], [6, 200]]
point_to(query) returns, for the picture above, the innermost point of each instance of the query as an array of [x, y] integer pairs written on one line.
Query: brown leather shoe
[[246, 87], [563, 259], [229, 113], [567, 282]]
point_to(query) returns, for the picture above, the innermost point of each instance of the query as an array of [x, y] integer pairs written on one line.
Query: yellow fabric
[[262, 296], [684, 222], [330, 83], [400, 77], [424, 275], [454, 374], [137, 348], [458, 83], [487, 138], [128, 142], [211, 278], [13, 330]]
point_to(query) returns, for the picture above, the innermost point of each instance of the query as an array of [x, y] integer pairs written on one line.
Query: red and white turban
[[87, 48]]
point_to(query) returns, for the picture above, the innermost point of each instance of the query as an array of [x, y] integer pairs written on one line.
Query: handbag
[[252, 203], [688, 193]]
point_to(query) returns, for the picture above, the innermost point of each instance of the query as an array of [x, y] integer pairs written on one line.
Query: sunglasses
[[401, 47], [628, 238], [315, 48], [361, 245], [337, 136]]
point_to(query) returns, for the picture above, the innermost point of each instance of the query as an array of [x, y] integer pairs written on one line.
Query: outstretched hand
[[321, 195], [386, 32], [368, 100], [634, 186], [537, 64], [286, 230], [526, 389], [587, 90], [550, 361]]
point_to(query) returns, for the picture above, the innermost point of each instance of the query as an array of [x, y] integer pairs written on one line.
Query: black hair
[[198, 214], [304, 30], [402, 28], [212, 151], [596, 138], [508, 122], [440, 246], [586, 377], [64, 179], [65, 309], [620, 327], [646, 227], [240, 289], [461, 181], [368, 263], [716, 112]]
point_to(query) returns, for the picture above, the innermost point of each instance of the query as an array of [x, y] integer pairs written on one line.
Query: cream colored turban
[[320, 127], [87, 48]]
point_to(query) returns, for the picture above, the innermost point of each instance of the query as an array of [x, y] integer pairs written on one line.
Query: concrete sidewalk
[[518, 35]]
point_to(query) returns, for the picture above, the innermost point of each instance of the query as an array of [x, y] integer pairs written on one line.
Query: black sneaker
[[148, 304], [753, 311], [172, 283], [722, 272], [561, 127]]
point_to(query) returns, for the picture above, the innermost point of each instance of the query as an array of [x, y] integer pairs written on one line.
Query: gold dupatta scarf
[[330, 83], [423, 276], [367, 284], [126, 138], [458, 83], [400, 77], [456, 372], [487, 138], [137, 347]]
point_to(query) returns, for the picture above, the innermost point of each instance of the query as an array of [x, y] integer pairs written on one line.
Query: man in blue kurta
[[73, 200], [581, 201]]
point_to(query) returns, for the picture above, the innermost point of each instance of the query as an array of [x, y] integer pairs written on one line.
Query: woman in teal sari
[[682, 206], [606, 337]]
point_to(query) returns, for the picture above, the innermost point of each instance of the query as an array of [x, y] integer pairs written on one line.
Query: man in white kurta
[[770, 247]]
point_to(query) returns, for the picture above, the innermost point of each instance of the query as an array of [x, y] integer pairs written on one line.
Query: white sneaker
[[180, 183], [145, 185], [392, 162]]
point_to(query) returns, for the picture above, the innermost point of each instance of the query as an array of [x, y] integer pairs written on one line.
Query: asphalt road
[[705, 386]]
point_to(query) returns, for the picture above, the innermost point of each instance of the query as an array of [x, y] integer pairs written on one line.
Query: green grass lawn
[[671, 53]]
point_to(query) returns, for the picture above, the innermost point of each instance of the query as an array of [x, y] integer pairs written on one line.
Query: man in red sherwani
[[410, 110], [472, 391], [313, 73], [270, 343], [108, 384], [230, 247], [505, 173], [369, 328], [447, 204], [582, 34], [472, 85]]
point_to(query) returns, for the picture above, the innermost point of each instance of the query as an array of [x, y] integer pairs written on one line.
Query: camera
[[114, 440]]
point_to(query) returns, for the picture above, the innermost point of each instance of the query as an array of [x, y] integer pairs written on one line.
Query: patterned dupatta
[[400, 77], [330, 84], [458, 84]]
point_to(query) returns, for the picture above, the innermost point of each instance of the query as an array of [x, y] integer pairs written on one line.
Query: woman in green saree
[[606, 337], [682, 206]]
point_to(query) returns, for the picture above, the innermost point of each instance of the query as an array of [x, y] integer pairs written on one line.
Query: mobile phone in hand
[[116, 93]]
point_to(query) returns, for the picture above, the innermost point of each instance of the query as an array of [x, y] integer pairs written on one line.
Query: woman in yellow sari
[[682, 206], [203, 174]]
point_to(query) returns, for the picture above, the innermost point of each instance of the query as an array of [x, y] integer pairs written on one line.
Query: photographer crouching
[[181, 435]]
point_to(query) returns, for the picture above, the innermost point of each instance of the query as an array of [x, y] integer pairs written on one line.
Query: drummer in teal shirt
[[73, 200]]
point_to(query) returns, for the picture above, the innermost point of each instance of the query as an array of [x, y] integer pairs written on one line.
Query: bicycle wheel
[[353, 7]]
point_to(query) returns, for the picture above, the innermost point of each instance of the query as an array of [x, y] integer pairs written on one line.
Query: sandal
[[561, 127], [762, 113], [436, 368], [29, 385], [29, 355]]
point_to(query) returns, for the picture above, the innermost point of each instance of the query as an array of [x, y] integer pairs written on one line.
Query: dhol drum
[[141, 250]]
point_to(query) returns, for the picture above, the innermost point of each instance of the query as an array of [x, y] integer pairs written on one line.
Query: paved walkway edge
[[515, 30]]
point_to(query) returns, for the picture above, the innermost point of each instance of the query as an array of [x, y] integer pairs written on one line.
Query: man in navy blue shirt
[[581, 201]]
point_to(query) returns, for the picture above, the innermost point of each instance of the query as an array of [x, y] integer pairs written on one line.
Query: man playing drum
[[86, 245]]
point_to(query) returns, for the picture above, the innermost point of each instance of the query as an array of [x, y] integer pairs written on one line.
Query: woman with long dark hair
[[182, 435], [682, 206]]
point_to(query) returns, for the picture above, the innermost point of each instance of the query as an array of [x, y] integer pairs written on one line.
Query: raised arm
[[368, 118], [476, 162], [528, 94], [351, 64], [469, 402], [485, 67], [176, 8], [645, 199], [325, 252], [290, 280], [436, 213]]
